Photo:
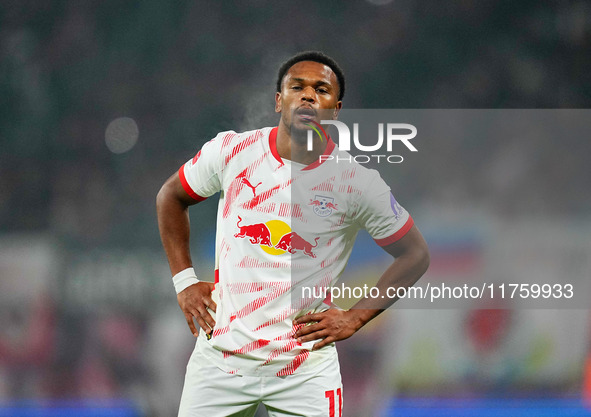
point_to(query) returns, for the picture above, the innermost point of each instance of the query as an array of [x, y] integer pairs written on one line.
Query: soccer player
[[287, 219]]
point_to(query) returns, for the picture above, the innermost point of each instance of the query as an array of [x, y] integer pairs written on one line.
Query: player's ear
[[337, 109], [277, 102]]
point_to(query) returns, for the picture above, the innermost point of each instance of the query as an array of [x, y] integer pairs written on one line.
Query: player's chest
[[305, 199]]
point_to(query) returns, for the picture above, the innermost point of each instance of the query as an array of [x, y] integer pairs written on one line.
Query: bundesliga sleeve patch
[[396, 208]]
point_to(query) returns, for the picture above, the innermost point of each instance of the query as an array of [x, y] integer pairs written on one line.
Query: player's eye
[[322, 90], [296, 87]]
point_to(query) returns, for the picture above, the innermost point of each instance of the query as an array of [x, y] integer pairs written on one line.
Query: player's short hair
[[314, 56]]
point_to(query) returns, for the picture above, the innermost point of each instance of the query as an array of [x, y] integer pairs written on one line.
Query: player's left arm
[[411, 262]]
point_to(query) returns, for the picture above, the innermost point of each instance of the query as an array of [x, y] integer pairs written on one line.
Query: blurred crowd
[[184, 72]]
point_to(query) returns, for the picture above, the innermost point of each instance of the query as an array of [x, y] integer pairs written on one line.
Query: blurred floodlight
[[121, 134]]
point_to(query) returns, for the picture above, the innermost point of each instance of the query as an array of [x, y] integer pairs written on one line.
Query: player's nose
[[309, 95]]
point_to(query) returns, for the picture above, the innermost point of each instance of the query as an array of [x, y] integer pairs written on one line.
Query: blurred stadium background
[[100, 101]]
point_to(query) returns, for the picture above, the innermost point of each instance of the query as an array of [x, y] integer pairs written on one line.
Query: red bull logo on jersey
[[293, 242], [323, 206], [258, 234], [275, 237]]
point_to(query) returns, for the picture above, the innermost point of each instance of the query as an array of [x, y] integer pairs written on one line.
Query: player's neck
[[296, 150]]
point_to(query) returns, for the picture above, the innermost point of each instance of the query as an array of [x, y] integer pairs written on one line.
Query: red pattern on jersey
[[233, 190], [249, 347], [260, 343], [349, 189], [277, 289], [237, 185], [292, 210], [227, 140], [295, 364], [327, 185], [297, 213], [265, 208], [339, 222], [326, 262], [250, 287], [265, 195], [348, 174], [261, 301], [224, 249], [250, 262], [284, 210], [221, 331], [289, 343], [243, 145], [279, 318], [289, 335], [286, 347], [302, 303]]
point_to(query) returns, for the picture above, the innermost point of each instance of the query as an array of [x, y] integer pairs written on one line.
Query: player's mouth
[[306, 113]]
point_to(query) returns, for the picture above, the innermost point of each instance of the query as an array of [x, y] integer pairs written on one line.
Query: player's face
[[309, 92]]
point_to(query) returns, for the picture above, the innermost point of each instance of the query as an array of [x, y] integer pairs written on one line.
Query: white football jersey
[[281, 227]]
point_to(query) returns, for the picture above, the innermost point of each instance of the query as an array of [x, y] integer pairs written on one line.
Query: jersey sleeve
[[201, 176], [381, 215]]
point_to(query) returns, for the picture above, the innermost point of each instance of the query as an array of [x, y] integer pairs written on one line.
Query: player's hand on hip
[[331, 325], [194, 302]]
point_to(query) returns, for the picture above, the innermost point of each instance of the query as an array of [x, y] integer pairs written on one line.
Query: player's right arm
[[172, 206]]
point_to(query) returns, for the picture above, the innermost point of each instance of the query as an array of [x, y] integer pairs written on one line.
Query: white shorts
[[209, 391]]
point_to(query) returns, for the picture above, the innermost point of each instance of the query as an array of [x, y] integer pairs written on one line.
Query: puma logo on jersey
[[248, 184]]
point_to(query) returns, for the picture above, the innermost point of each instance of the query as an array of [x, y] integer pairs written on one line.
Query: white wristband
[[184, 279]]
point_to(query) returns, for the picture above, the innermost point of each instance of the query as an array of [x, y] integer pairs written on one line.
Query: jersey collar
[[330, 145]]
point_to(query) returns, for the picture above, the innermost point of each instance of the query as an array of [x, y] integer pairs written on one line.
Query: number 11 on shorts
[[331, 402]]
